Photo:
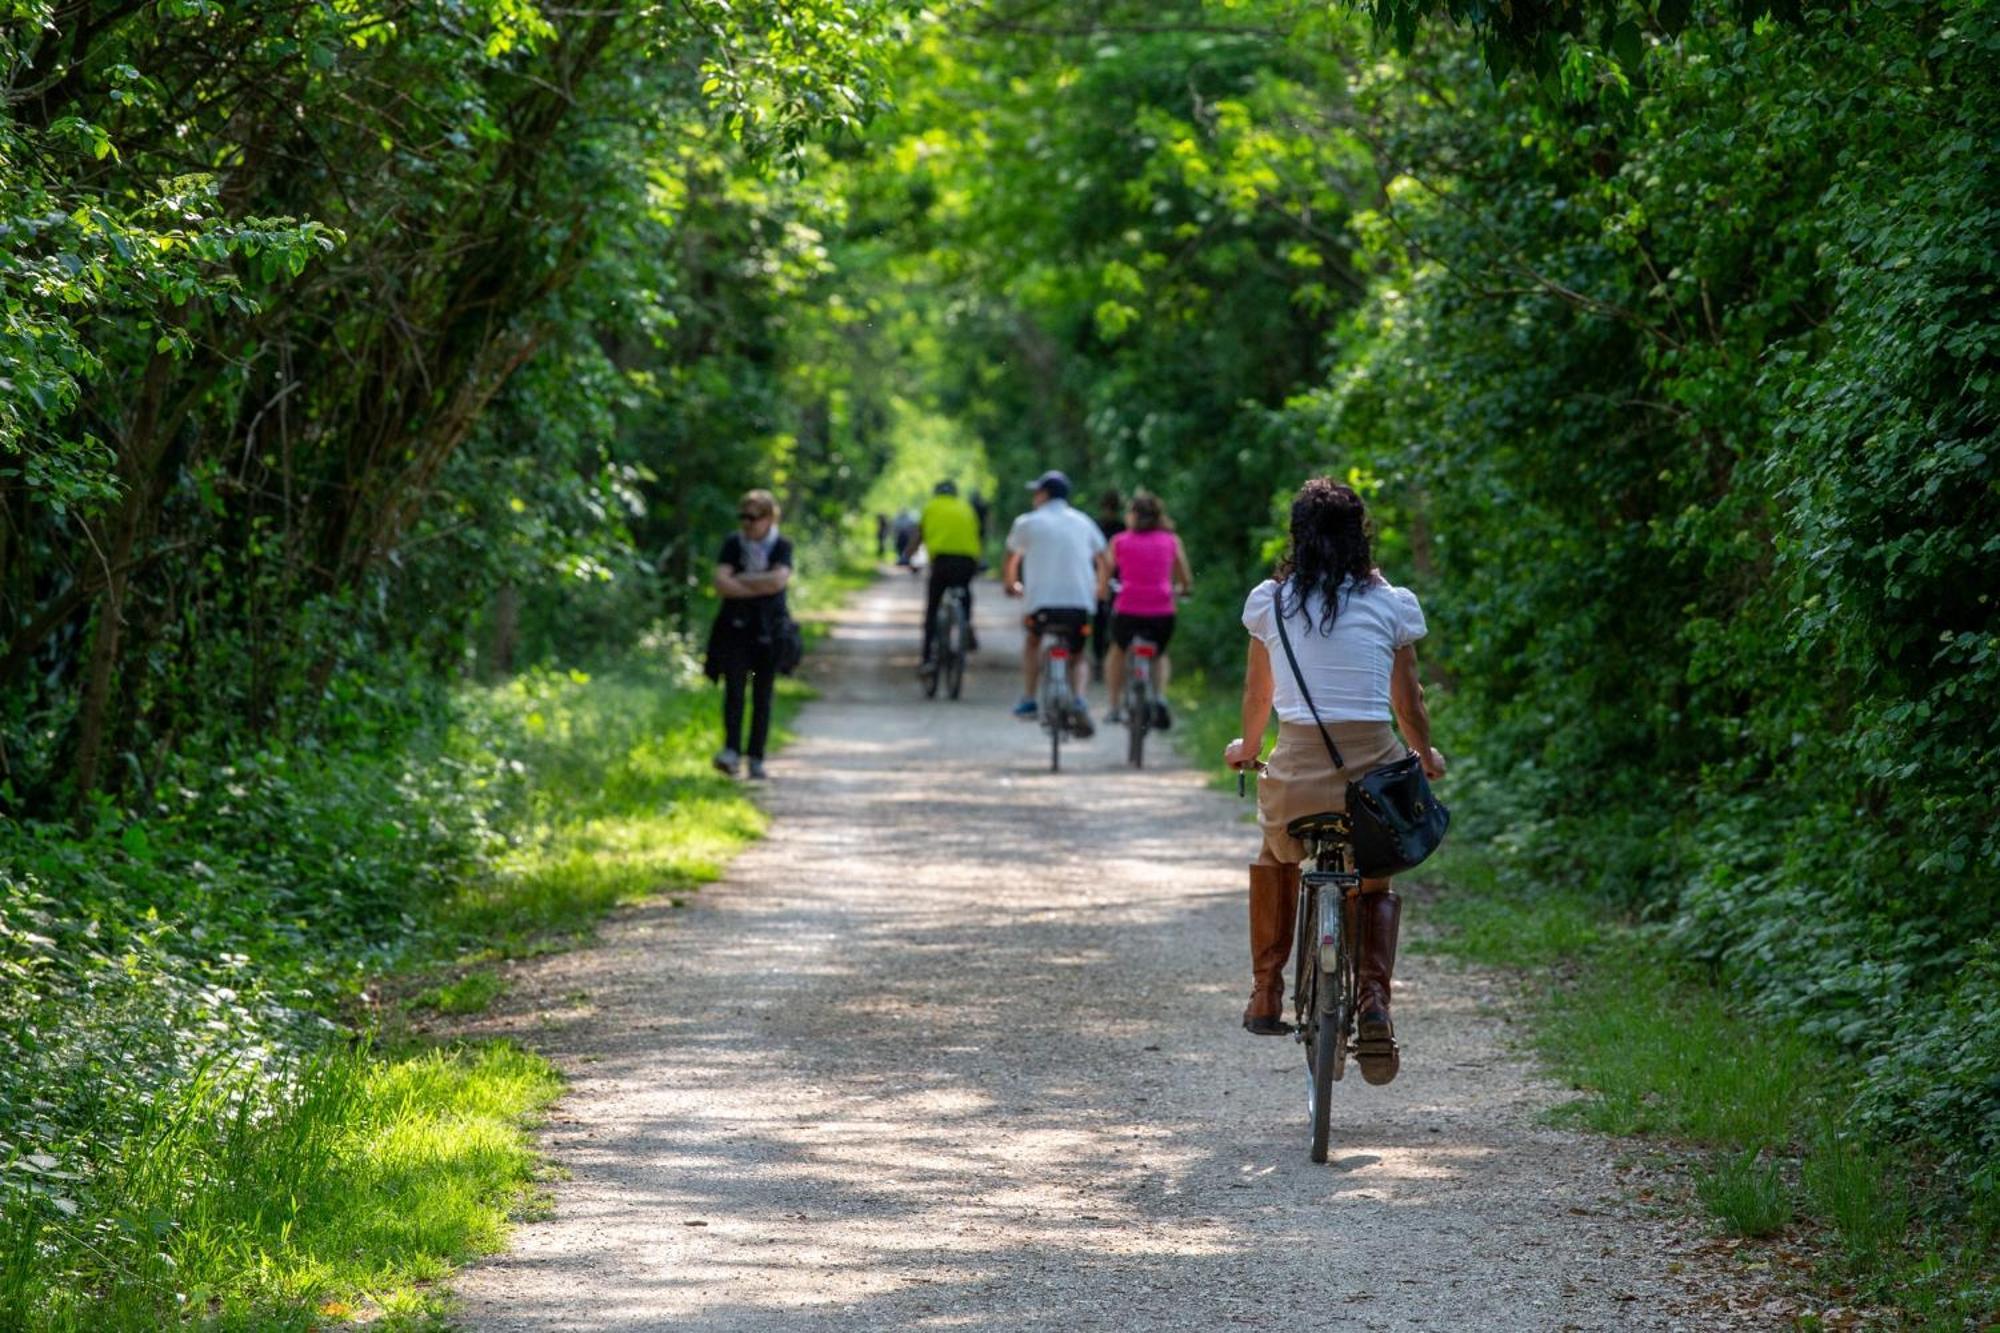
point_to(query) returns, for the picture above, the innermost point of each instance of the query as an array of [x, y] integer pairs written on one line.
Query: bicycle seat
[[1324, 826]]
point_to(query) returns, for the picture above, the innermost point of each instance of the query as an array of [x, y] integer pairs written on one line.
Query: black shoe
[[971, 642], [1162, 719], [1080, 725]]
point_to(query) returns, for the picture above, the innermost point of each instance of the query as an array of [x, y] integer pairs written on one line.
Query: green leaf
[[1628, 45]]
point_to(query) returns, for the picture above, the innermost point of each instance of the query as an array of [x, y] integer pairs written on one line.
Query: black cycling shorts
[[1159, 629], [1072, 622]]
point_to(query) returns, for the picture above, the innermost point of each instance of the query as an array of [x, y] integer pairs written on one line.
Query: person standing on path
[[1153, 568], [752, 572], [1355, 644], [1052, 555], [949, 531]]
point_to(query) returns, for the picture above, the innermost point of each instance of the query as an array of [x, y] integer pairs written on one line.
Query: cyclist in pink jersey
[[1151, 567]]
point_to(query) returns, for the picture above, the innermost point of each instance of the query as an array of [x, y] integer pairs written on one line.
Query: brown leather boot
[[1274, 903], [1379, 915]]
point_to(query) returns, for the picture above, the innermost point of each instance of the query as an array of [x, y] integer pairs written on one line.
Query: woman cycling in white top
[[1354, 634]]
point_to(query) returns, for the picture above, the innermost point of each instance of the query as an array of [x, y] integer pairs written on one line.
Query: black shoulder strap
[[1278, 614]]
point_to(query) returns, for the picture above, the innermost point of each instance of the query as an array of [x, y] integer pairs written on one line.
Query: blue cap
[[1052, 481]]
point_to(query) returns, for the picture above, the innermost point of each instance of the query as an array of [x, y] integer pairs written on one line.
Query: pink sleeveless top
[[1145, 572]]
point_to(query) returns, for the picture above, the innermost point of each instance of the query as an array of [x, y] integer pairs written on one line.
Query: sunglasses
[[747, 517]]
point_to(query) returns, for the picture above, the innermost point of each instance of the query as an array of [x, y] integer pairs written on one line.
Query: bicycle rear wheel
[[1138, 716], [954, 674], [1055, 714]]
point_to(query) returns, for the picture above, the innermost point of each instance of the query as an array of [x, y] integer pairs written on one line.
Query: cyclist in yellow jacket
[[950, 531]]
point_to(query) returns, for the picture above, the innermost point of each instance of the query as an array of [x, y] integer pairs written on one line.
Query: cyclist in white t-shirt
[[1355, 635], [1052, 554]]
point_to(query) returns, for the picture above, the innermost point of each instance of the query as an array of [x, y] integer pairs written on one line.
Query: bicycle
[[950, 633], [1138, 702], [1324, 980], [1053, 699]]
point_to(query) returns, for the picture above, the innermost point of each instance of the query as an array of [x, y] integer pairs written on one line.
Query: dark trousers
[[947, 571], [761, 682]]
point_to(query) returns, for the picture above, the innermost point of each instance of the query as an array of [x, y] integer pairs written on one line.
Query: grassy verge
[[193, 1130], [289, 1199], [1758, 1113], [1755, 1114]]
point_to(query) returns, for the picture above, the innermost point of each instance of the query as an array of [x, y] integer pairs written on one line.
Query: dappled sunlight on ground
[[957, 1047]]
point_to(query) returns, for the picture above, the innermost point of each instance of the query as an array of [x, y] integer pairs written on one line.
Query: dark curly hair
[[1329, 546]]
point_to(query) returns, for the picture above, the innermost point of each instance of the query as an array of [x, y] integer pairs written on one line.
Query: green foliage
[[1747, 1195], [181, 1108], [262, 1196], [1673, 378], [1758, 1113], [465, 315], [467, 994], [1532, 35]]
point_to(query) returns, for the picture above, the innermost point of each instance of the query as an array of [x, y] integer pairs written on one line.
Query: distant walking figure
[[1355, 634], [751, 572]]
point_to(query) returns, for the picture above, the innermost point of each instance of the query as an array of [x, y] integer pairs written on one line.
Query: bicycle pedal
[[1379, 1057]]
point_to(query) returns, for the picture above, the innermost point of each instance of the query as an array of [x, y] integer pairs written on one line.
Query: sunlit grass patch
[[624, 804], [262, 1198]]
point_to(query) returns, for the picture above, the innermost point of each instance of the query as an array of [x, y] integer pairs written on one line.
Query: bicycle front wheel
[[1319, 1036]]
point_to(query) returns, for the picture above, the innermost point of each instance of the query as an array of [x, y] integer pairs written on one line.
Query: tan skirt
[[1302, 780]]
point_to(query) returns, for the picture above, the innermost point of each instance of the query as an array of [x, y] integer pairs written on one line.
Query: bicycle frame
[[1053, 694], [1138, 699], [1332, 869], [1139, 662]]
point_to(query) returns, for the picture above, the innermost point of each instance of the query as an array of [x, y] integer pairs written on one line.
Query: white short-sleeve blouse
[[1346, 668]]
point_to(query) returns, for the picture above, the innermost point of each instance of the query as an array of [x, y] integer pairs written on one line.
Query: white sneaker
[[725, 761]]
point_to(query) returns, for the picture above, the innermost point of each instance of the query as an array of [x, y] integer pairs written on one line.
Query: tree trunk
[[139, 461]]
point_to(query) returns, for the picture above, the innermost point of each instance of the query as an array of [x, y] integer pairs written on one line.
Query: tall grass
[[1764, 1113], [188, 1134], [265, 1198]]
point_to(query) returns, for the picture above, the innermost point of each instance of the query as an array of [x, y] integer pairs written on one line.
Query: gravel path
[[956, 1047]]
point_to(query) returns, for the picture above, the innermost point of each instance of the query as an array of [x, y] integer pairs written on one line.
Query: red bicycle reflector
[[1145, 650], [1059, 654]]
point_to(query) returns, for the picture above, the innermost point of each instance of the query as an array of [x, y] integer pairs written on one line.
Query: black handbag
[[1397, 821], [790, 643]]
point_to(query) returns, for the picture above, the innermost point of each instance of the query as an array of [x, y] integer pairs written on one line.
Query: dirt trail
[[957, 1048]]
